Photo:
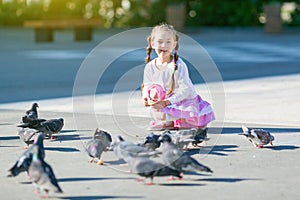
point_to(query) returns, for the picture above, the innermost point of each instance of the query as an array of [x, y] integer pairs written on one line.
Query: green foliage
[[135, 13], [295, 17], [14, 12], [222, 13]]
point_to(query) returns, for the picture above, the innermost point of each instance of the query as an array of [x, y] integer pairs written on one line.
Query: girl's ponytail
[[148, 50], [172, 81]]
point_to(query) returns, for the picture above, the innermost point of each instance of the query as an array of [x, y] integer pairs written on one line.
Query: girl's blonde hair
[[170, 28]]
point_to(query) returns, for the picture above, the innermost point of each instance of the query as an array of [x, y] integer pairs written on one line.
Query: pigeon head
[[100, 134], [35, 105], [272, 138], [245, 129], [165, 137], [61, 119], [119, 138]]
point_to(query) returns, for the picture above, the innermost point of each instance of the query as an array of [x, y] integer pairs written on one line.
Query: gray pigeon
[[25, 159], [124, 149], [181, 138], [32, 124], [151, 142], [31, 114], [101, 142], [27, 135], [258, 137], [173, 156], [199, 135], [51, 126], [149, 168], [42, 175]]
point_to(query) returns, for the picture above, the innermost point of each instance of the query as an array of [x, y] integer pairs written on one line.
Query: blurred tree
[[135, 13], [222, 13]]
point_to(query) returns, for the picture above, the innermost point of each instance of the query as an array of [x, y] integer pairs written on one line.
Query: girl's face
[[163, 43]]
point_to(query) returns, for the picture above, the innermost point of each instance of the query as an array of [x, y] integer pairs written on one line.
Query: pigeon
[[27, 135], [123, 149], [173, 156], [25, 159], [31, 114], [181, 138], [32, 124], [151, 142], [42, 175], [148, 168], [200, 135], [48, 127], [100, 142], [258, 137]]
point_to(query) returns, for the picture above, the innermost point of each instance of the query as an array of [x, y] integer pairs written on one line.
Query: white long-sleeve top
[[184, 88]]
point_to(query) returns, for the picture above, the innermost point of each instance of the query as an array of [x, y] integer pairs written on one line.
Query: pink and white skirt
[[187, 113], [193, 112]]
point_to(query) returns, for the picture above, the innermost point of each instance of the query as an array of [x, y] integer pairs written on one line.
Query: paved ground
[[240, 170]]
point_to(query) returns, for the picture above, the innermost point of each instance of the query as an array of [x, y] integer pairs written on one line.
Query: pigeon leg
[[196, 145], [140, 180], [100, 162], [271, 143], [150, 182], [45, 196], [171, 178], [91, 161], [52, 137], [124, 165]]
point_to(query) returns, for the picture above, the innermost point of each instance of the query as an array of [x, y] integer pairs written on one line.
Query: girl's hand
[[146, 102], [161, 104]]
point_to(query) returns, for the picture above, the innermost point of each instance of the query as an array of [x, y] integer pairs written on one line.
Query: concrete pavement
[[240, 170]]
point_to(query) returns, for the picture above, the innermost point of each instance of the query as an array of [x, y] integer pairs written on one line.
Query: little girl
[[167, 87]]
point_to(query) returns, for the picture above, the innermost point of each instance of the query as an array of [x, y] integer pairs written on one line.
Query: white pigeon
[[27, 135]]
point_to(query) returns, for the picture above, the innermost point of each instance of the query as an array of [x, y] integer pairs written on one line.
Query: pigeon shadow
[[9, 138], [62, 149], [219, 150], [73, 137], [282, 147], [226, 180], [116, 162], [8, 146], [222, 150], [6, 124], [68, 131], [236, 130], [26, 182], [100, 197], [90, 179], [182, 184]]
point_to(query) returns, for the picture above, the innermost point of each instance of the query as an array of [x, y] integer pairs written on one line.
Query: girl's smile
[[164, 43]]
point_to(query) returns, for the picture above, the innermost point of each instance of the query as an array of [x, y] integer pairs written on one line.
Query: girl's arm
[[147, 79]]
